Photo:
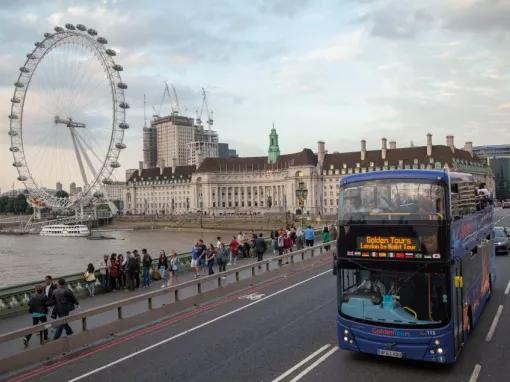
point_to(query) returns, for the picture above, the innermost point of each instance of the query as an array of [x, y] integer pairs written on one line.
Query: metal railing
[[15, 298], [174, 290]]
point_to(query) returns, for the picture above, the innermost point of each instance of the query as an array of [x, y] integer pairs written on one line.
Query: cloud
[[395, 23], [288, 8], [483, 15], [345, 47]]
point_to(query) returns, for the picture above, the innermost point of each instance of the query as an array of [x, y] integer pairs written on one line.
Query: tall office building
[[150, 148], [58, 186], [204, 145], [498, 158], [173, 135]]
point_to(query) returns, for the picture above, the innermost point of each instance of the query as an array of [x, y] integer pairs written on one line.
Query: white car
[[505, 204]]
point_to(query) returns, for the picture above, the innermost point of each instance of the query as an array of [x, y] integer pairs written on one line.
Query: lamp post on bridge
[[301, 194]]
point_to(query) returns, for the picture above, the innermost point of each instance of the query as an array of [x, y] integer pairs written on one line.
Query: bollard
[[149, 301], [292, 259], [199, 288], [219, 282], [320, 250], [252, 271], [237, 276], [311, 250], [119, 312], [267, 266], [176, 295], [303, 255], [84, 323]]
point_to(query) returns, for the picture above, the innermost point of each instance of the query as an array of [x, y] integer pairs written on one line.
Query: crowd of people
[[119, 271]]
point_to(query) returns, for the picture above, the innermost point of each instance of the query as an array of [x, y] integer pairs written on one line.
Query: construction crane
[[171, 98], [200, 112]]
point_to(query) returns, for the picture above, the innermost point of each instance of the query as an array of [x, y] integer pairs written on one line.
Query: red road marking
[[151, 328]]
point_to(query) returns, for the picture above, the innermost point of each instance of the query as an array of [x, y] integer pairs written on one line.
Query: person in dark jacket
[[65, 302], [50, 286], [39, 310], [147, 266], [136, 272], [260, 247]]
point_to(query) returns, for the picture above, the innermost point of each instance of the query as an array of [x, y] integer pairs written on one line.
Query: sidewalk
[[23, 320]]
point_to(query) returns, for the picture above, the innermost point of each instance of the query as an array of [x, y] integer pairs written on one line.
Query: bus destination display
[[388, 243]]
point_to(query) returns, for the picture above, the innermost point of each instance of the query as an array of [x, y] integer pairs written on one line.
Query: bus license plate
[[390, 353]]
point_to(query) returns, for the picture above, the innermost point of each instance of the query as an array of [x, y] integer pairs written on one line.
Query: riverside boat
[[77, 230]]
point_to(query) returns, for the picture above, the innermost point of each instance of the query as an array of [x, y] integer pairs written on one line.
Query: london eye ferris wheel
[[68, 117]]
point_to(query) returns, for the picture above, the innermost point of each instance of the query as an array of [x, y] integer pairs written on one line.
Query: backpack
[[147, 260]]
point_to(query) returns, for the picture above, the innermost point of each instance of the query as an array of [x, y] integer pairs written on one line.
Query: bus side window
[[463, 196]]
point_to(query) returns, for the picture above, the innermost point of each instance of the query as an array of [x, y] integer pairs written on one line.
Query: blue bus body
[[466, 261]]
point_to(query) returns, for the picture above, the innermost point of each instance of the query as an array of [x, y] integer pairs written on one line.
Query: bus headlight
[[346, 339], [346, 332], [439, 350], [437, 342]]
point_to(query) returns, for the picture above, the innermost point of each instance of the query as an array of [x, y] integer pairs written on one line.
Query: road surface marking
[[296, 366], [476, 373], [166, 340], [507, 290], [494, 324], [252, 296], [314, 365]]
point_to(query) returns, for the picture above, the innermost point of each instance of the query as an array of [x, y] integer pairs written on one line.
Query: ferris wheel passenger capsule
[[70, 27], [15, 100], [115, 164], [124, 105], [58, 29], [39, 44], [111, 52], [14, 149], [22, 178], [92, 32], [31, 56], [13, 116], [13, 133], [98, 194], [124, 125], [17, 164], [24, 70], [47, 34], [122, 85], [120, 146], [81, 27], [118, 67], [19, 84], [107, 181], [102, 40]]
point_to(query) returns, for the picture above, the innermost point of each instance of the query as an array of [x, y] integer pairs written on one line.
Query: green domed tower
[[274, 149]]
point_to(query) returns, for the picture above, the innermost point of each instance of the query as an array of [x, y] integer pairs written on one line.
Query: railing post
[[237, 276], [292, 259], [199, 288], [219, 281], [320, 249], [311, 252], [267, 266], [149, 301], [119, 312], [84, 323], [303, 254], [252, 271]]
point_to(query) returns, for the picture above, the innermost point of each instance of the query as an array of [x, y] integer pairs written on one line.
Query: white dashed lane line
[[494, 324], [476, 373]]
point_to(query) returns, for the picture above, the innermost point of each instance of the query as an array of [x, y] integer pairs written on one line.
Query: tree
[[61, 194], [3, 204], [20, 204]]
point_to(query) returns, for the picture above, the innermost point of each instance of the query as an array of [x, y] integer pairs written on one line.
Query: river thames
[[30, 257]]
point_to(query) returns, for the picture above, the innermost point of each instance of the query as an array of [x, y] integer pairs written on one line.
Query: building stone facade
[[303, 182], [173, 134]]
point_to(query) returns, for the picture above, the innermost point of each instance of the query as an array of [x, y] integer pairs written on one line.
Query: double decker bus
[[414, 263]]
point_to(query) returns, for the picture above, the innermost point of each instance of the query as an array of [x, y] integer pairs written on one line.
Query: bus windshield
[[404, 298], [390, 199]]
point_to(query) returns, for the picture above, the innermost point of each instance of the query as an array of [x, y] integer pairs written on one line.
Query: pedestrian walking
[[147, 265], [64, 302], [103, 273], [222, 258], [38, 308], [333, 233], [194, 259], [210, 256], [309, 236], [326, 237], [260, 247], [113, 271], [122, 265], [136, 274], [281, 245], [300, 239], [240, 247], [50, 286], [90, 279], [130, 271], [163, 268], [174, 267], [202, 249], [233, 245]]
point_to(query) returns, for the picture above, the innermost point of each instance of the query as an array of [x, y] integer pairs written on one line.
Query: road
[[280, 330]]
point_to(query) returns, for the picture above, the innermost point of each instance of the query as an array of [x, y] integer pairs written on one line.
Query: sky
[[338, 71]]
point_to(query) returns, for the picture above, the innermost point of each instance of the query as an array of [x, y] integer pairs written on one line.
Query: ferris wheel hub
[[68, 122]]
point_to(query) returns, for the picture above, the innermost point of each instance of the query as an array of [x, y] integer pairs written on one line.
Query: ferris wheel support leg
[[78, 155]]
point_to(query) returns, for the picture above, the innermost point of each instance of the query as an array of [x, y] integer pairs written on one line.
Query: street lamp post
[[301, 194]]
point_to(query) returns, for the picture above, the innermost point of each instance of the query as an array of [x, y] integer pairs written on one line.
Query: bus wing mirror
[[459, 281]]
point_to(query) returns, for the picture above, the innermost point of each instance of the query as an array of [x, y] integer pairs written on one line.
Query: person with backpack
[[222, 258], [147, 266], [90, 279], [37, 306], [174, 266], [113, 271], [260, 247], [163, 268], [210, 256]]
